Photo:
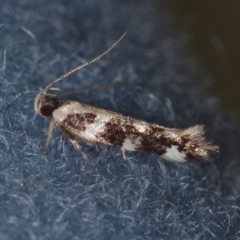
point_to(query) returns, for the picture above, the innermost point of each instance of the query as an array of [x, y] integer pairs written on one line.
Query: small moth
[[82, 122]]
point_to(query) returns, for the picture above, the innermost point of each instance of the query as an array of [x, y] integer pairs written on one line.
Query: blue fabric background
[[56, 195]]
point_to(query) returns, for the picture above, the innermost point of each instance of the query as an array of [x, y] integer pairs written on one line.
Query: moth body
[[80, 122]]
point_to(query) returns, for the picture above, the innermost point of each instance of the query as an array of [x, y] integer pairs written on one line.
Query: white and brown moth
[[82, 122]]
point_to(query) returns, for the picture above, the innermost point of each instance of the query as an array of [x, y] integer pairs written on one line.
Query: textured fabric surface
[[56, 195]]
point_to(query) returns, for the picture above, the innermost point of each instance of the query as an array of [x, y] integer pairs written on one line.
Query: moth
[[80, 122]]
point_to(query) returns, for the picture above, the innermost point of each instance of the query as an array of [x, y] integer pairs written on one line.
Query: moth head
[[45, 104]]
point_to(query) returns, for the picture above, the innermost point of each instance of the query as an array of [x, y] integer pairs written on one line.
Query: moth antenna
[[89, 89], [83, 65]]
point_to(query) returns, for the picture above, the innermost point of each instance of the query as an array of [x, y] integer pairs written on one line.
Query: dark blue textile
[[56, 195]]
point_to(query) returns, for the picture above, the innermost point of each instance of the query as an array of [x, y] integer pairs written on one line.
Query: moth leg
[[104, 148], [50, 131], [123, 153], [78, 147]]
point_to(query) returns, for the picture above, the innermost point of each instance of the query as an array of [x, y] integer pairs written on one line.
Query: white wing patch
[[174, 154], [130, 145]]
